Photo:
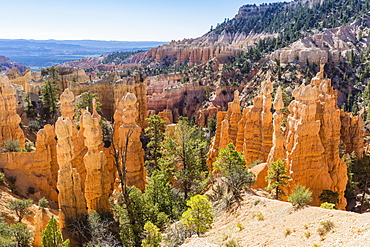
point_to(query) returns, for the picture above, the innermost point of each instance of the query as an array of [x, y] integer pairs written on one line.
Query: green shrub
[[300, 196], [12, 145], [287, 232], [30, 146], [327, 205], [240, 226], [232, 243], [2, 177], [43, 203], [34, 126], [329, 196]]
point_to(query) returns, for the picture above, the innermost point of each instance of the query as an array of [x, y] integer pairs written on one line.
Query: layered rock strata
[[110, 91], [308, 143], [70, 198], [37, 169], [250, 130], [127, 140], [97, 183], [9, 119]]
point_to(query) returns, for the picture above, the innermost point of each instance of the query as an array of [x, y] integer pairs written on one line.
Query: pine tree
[[159, 193], [86, 101], [198, 217], [232, 167], [155, 131], [153, 237], [52, 237], [277, 177], [21, 234], [184, 158], [20, 207]]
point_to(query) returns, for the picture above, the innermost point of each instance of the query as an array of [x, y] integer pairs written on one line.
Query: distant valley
[[45, 53]]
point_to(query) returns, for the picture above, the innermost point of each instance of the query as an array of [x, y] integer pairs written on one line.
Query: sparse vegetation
[[240, 226], [300, 196], [232, 167], [12, 179], [232, 243], [288, 231], [327, 205], [2, 178], [326, 226], [31, 190], [43, 203], [12, 145]]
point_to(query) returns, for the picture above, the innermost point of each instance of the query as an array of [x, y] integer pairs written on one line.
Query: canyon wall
[[111, 89]]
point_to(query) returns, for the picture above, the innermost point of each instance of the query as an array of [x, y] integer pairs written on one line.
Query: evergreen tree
[[99, 231], [198, 216], [184, 158], [21, 234], [232, 167], [141, 210], [277, 177], [155, 132], [5, 235], [51, 236], [153, 237], [49, 96], [20, 207], [86, 101], [329, 196], [160, 194]]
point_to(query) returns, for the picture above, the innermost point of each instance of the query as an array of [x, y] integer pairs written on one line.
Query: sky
[[121, 20]]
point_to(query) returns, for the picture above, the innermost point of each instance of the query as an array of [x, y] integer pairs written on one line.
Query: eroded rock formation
[[250, 131], [127, 139], [110, 91], [308, 143], [97, 183], [9, 120], [70, 198]]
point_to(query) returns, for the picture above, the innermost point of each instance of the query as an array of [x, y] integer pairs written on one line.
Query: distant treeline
[[119, 57]]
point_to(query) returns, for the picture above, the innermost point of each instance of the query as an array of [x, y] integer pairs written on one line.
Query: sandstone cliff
[[111, 89], [127, 141], [97, 183], [9, 120], [70, 198], [250, 131]]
